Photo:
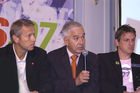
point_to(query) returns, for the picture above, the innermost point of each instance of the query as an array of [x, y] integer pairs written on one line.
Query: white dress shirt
[[21, 65], [70, 55]]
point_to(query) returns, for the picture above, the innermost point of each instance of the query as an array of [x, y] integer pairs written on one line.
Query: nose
[[131, 42], [33, 38], [81, 40]]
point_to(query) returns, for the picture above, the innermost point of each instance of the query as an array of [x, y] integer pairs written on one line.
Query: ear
[[65, 40], [116, 42], [15, 38]]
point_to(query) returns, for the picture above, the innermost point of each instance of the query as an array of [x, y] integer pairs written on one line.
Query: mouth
[[32, 45], [81, 48], [132, 48]]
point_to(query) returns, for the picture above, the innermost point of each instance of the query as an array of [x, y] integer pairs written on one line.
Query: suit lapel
[[80, 64], [134, 72], [29, 64], [66, 63], [117, 66], [12, 62]]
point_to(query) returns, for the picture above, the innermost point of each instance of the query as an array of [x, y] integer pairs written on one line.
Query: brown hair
[[124, 29], [17, 26]]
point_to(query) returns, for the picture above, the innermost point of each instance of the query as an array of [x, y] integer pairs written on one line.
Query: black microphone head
[[85, 52]]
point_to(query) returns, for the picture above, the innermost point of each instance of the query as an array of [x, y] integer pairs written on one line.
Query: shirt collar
[[17, 58], [70, 54]]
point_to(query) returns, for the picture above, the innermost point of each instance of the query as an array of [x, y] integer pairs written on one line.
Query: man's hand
[[34, 92], [83, 77], [138, 89]]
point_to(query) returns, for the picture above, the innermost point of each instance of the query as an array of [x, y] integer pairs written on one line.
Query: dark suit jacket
[[8, 69], [61, 74], [111, 80]]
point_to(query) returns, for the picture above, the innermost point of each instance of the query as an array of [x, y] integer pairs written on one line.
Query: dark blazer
[[8, 69], [111, 80], [61, 74]]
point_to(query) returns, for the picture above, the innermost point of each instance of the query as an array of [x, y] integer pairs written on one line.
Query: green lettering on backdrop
[[36, 28], [47, 38]]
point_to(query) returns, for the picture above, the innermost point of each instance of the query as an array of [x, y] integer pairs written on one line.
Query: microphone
[[85, 53]]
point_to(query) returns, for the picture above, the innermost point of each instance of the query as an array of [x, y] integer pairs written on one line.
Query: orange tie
[[73, 65]]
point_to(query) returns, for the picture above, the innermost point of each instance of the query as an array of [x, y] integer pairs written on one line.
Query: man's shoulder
[[5, 52], [5, 49], [91, 54], [136, 56], [38, 49], [108, 54], [56, 55], [58, 51]]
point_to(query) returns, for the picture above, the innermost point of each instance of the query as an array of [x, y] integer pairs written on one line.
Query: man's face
[[26, 40], [75, 41], [126, 44]]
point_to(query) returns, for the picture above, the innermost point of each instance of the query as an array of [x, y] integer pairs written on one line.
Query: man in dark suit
[[21, 61], [120, 70], [63, 78]]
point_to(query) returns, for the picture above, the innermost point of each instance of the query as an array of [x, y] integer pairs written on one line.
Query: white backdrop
[[130, 15], [49, 17]]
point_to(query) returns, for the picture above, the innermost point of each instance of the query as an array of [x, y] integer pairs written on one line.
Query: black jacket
[[8, 69], [61, 74], [111, 80]]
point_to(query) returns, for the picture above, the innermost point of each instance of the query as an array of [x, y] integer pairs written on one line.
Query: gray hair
[[69, 27]]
